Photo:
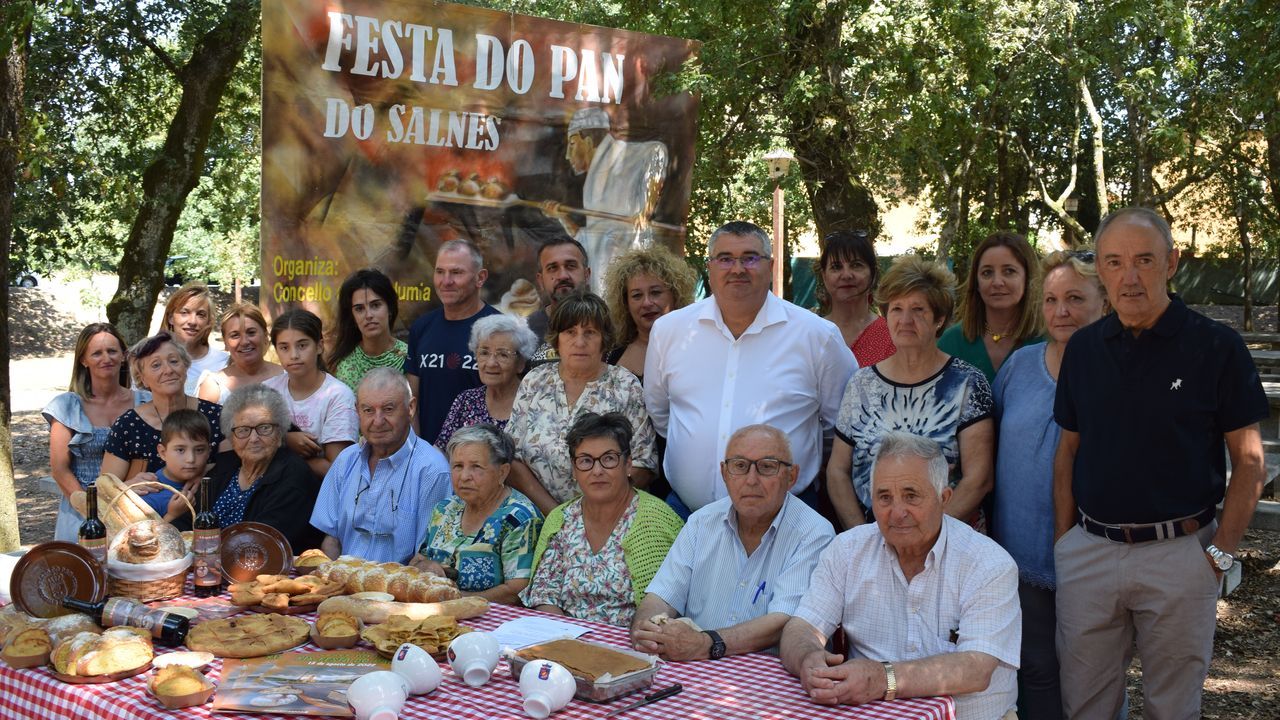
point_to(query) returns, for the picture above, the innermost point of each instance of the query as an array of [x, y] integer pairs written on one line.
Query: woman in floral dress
[[598, 552], [485, 533]]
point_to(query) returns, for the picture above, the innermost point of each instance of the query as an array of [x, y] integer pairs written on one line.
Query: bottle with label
[[166, 627], [207, 546], [93, 533]]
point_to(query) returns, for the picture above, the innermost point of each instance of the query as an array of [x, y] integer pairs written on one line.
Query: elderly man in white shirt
[[740, 357], [929, 606], [740, 565]]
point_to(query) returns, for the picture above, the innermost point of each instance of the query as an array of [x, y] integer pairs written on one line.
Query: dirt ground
[[1244, 679]]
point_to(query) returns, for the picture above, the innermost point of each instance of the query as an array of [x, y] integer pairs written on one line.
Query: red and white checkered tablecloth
[[754, 687]]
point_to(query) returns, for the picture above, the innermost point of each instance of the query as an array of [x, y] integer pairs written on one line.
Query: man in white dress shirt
[[740, 565], [928, 605], [738, 358]]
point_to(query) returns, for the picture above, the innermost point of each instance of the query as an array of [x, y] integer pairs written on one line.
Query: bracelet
[[890, 681]]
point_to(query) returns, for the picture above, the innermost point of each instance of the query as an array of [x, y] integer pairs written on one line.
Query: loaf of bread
[[115, 651], [404, 583], [68, 626], [372, 612], [148, 541]]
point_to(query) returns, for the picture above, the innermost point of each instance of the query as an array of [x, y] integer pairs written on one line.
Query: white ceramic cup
[[379, 695], [546, 687], [473, 657], [417, 667]]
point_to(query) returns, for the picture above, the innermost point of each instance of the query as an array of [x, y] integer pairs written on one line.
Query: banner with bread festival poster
[[390, 127]]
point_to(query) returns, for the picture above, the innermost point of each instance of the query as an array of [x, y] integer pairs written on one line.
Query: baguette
[[372, 612]]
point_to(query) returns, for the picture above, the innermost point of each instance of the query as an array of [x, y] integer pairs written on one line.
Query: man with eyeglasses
[[741, 357], [740, 565], [928, 605], [1151, 400], [376, 500], [439, 363]]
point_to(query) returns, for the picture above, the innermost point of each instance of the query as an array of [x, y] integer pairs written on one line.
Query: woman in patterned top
[[244, 333], [367, 310], [502, 347], [553, 395], [260, 480], [920, 390], [598, 552], [847, 273], [485, 533], [158, 364]]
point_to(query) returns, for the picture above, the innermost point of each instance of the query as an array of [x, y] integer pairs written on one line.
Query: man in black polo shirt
[[1146, 397]]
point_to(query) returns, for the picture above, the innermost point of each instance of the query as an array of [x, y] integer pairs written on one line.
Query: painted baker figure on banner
[[392, 128], [621, 189]]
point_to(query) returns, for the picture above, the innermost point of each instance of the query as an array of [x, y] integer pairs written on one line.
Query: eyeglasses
[[608, 461], [265, 430], [765, 467], [726, 262], [502, 356], [1085, 256]]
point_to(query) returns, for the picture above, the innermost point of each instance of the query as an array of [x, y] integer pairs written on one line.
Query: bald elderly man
[[739, 567]]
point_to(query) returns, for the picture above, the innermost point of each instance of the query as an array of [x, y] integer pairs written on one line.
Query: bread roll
[[376, 611], [66, 655], [398, 583], [355, 581], [114, 652], [373, 580]]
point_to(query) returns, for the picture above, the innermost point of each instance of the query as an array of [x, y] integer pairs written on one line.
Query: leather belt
[[1166, 530]]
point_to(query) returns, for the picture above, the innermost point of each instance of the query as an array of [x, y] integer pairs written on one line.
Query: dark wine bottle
[[207, 546], [166, 627], [93, 534]]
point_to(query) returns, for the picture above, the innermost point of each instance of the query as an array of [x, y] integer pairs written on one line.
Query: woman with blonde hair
[[80, 419], [641, 286], [188, 318], [919, 389], [244, 333], [1025, 388], [999, 312]]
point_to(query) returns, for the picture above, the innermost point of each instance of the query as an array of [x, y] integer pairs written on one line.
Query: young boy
[[184, 447]]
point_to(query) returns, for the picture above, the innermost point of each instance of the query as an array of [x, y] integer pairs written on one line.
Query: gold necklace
[[997, 337]]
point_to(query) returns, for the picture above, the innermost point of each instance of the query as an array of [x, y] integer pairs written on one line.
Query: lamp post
[[779, 161], [1071, 205]]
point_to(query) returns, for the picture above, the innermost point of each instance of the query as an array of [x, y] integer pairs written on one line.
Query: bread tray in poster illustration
[[98, 679], [294, 683], [250, 549]]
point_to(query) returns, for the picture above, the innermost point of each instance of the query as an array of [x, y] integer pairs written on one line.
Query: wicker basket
[[149, 590]]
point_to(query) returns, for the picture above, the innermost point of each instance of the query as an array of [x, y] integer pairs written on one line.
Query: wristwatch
[[1221, 559], [890, 681], [717, 644]]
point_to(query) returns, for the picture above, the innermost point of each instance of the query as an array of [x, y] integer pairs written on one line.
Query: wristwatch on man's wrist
[[717, 644], [890, 681], [1221, 559]]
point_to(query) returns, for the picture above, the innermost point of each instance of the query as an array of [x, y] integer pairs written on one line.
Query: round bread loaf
[[148, 541]]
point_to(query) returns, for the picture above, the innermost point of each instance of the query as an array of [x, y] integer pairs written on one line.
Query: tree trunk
[[1246, 247], [1271, 121], [1098, 144], [13, 72], [176, 170]]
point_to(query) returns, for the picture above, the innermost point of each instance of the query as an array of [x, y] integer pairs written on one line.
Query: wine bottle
[[93, 534], [166, 627], [207, 546]]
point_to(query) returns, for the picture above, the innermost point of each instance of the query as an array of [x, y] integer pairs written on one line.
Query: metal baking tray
[[602, 692]]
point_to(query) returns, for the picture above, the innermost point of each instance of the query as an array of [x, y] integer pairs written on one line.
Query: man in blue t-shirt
[[440, 365]]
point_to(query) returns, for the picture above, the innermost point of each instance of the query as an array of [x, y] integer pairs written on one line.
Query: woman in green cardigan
[[598, 552]]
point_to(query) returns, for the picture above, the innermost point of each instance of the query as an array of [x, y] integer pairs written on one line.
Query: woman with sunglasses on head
[[598, 552], [244, 333], [367, 311], [1025, 387], [159, 365], [998, 312], [80, 420], [847, 273], [502, 346], [188, 318], [322, 408], [259, 479]]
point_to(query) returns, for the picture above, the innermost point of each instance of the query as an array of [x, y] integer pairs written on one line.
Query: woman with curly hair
[[641, 286]]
